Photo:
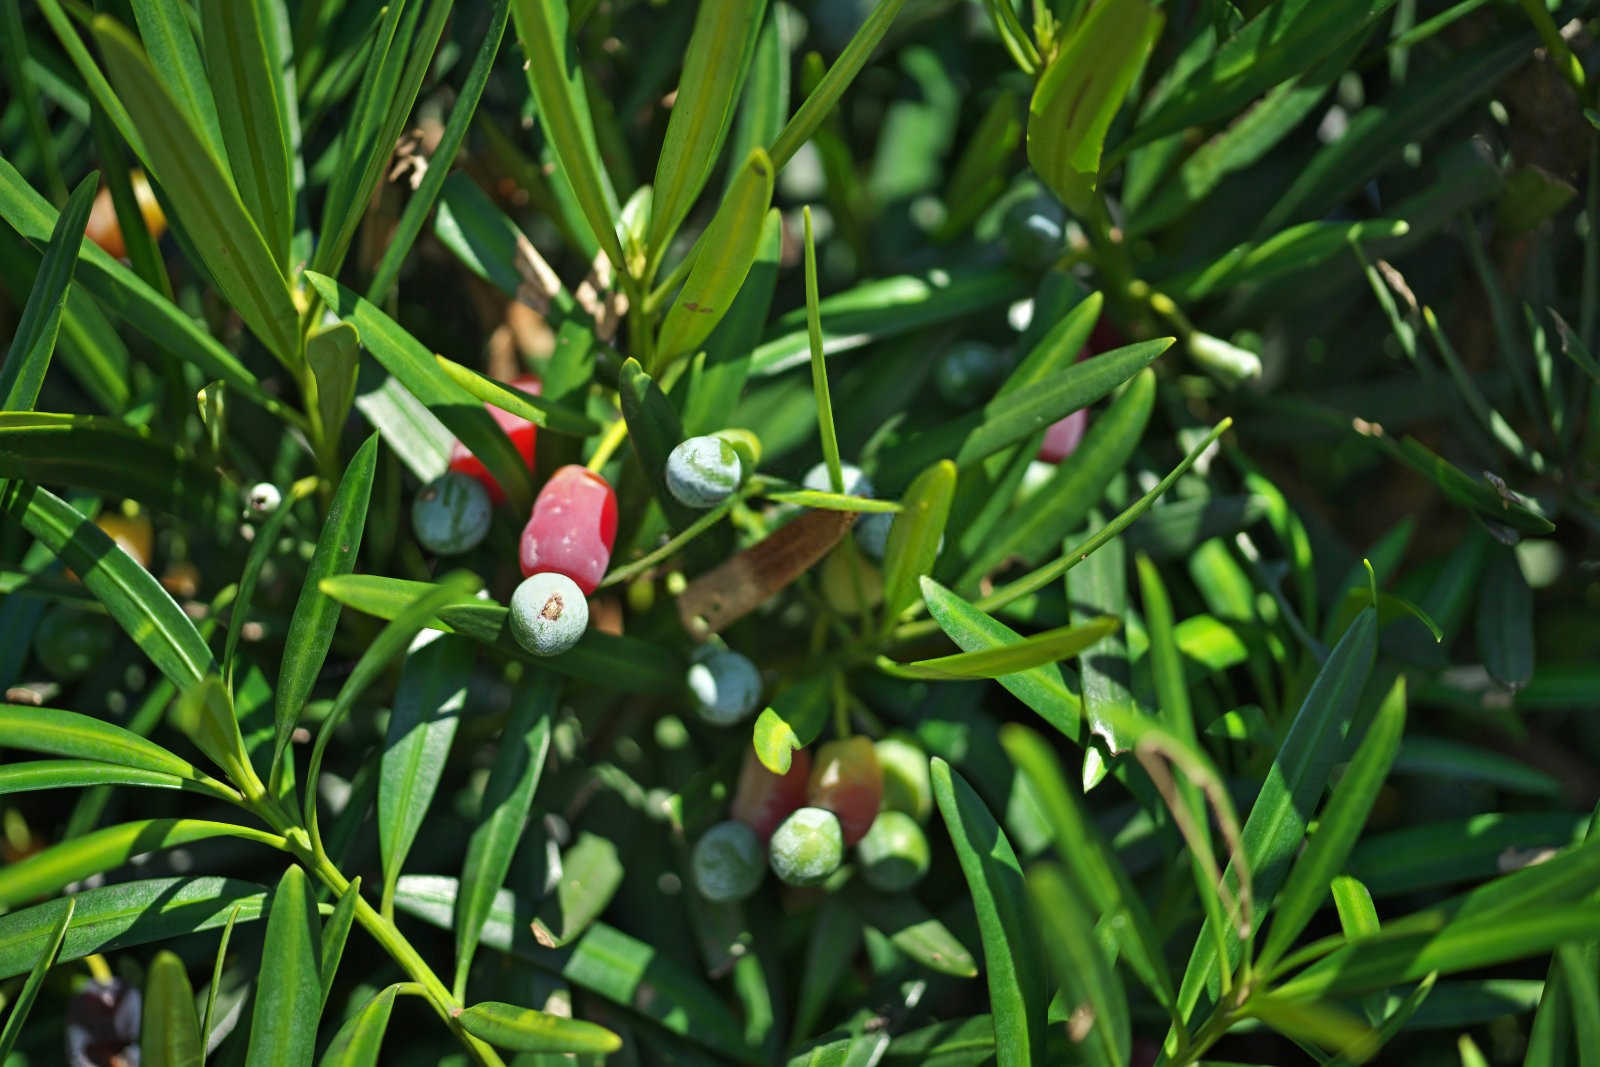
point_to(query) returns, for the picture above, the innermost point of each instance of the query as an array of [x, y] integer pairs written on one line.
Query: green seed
[[894, 854], [727, 862], [807, 847], [451, 514]]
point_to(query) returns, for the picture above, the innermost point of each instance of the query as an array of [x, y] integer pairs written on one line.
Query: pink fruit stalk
[[572, 528], [523, 434], [763, 799]]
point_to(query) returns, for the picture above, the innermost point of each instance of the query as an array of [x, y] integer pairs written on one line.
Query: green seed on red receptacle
[[451, 514]]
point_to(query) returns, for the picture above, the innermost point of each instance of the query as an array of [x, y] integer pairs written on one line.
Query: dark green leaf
[[34, 338], [361, 1037], [283, 1027], [23, 1001], [1092, 990]]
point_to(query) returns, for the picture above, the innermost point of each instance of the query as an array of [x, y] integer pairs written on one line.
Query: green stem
[[669, 284]]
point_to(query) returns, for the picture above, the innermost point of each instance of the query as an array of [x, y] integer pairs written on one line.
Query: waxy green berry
[[907, 786], [702, 472], [728, 862], [548, 613], [69, 643], [894, 854], [965, 374], [1033, 231], [451, 514], [856, 483], [806, 847], [726, 687], [872, 534]]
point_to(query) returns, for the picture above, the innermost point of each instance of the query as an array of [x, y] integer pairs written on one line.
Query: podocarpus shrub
[[832, 533]]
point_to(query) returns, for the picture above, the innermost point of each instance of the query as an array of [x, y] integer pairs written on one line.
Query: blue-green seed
[[726, 687], [872, 534], [894, 854], [728, 862], [703, 471], [806, 847], [856, 483], [967, 372], [548, 613], [451, 514]]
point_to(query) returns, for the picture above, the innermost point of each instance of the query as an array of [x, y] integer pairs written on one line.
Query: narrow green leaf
[[1016, 979], [1276, 826], [427, 703], [1095, 870], [916, 536], [125, 915], [1318, 1023], [1276, 44], [1040, 687], [1468, 943], [1096, 591], [167, 30], [1357, 916], [400, 57], [717, 383], [836, 940], [526, 1030], [241, 70], [412, 432], [106, 455], [1432, 854], [714, 68], [1475, 494], [130, 593], [170, 1032], [826, 95], [591, 871], [439, 173], [124, 294], [980, 174], [359, 1040], [62, 864], [70, 774], [518, 765], [67, 733], [34, 339], [557, 418], [1583, 992], [1016, 658], [911, 929], [765, 101], [1011, 418], [333, 355], [887, 307], [1297, 248], [196, 180], [1337, 828], [556, 79], [1077, 484], [813, 498], [1092, 990], [418, 370], [23, 1001], [628, 664], [720, 260], [1505, 620], [315, 613], [334, 935], [1079, 93], [283, 1026], [653, 432]]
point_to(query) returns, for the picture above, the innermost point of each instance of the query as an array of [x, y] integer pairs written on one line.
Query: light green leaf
[[23, 1001], [197, 181], [113, 917], [316, 614], [543, 413], [241, 69], [361, 1037], [283, 1026], [915, 537], [719, 262], [130, 593], [556, 79], [334, 935], [1016, 978], [1092, 989], [167, 29], [170, 1032], [519, 763], [714, 67], [911, 929], [418, 370], [795, 719], [60, 865], [526, 1030], [34, 338], [1079, 93], [1338, 827], [1016, 658], [67, 733], [591, 872]]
